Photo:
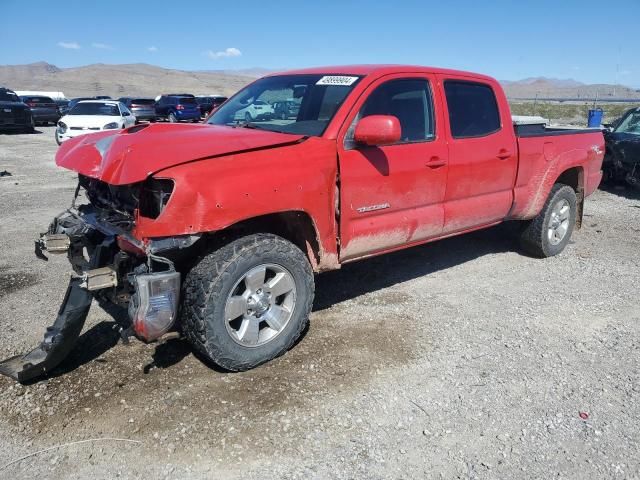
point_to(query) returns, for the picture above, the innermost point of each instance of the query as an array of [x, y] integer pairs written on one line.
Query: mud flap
[[58, 340]]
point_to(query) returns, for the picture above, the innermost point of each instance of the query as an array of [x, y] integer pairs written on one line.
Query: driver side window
[[409, 100]]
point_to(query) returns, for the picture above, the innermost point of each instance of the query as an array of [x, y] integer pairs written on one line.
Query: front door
[[393, 195]]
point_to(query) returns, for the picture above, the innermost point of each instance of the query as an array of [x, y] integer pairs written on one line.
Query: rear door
[[483, 158], [392, 195]]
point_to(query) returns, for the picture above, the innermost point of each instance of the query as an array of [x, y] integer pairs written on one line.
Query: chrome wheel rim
[[559, 222], [260, 305]]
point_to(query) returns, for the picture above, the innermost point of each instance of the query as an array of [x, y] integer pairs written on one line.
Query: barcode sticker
[[341, 80]]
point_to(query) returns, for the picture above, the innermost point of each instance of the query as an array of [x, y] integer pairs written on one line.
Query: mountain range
[[149, 80]]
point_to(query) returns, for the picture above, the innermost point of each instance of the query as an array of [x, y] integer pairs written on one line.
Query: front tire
[[247, 117], [549, 232], [247, 302]]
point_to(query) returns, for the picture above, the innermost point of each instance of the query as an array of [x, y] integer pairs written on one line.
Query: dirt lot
[[461, 359]]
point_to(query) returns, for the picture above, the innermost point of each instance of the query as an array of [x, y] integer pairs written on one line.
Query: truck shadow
[[366, 276], [352, 281]]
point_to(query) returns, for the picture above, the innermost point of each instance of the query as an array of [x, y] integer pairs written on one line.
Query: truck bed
[[547, 153]]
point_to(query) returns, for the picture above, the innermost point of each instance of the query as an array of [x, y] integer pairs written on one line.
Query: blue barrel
[[595, 118]]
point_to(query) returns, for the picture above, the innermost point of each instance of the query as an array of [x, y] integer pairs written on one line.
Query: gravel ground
[[460, 359]]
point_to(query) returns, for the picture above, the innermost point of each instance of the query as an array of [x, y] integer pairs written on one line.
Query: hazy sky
[[586, 40]]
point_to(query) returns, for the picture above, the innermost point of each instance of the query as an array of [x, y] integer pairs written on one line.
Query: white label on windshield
[[336, 80]]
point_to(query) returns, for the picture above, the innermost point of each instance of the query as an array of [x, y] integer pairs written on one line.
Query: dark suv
[[209, 103], [175, 108], [14, 114], [43, 109], [142, 108]]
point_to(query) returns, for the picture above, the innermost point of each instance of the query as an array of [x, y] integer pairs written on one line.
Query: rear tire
[[225, 313], [247, 117], [549, 232], [172, 118]]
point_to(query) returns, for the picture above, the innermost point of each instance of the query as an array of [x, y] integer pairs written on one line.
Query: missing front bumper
[[108, 273]]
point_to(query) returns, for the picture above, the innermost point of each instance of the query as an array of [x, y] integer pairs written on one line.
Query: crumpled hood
[[131, 155]]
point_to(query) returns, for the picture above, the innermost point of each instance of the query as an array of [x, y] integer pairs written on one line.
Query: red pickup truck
[[217, 229]]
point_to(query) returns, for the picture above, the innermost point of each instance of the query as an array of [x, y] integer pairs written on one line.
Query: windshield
[[630, 124], [8, 96], [299, 104], [95, 109]]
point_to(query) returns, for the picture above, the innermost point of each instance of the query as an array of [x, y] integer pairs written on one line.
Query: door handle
[[436, 162], [503, 154]]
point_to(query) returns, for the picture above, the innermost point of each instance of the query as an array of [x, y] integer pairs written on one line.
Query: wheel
[[196, 120], [172, 118], [247, 302], [548, 234], [152, 120], [58, 140], [283, 116], [248, 117]]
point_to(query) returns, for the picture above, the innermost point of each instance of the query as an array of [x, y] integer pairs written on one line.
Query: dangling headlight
[[154, 306]]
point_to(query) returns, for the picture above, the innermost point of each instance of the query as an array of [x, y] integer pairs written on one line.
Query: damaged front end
[[111, 265]]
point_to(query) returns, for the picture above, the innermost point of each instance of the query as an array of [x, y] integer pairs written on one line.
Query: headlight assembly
[[111, 126], [62, 127]]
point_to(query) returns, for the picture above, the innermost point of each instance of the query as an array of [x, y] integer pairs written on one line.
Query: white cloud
[[152, 49], [69, 45], [102, 46], [228, 52]]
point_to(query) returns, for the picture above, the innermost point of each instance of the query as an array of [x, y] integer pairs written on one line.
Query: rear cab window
[[473, 109]]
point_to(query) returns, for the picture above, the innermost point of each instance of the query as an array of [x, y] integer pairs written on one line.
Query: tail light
[[179, 107], [32, 104], [154, 305]]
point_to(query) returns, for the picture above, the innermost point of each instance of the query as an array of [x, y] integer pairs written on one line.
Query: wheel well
[[573, 177], [295, 226]]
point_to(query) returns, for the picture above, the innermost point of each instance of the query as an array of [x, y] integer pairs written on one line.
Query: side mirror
[[378, 130]]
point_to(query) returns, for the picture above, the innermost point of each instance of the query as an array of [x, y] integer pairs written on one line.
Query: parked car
[[14, 114], [177, 108], [102, 97], [209, 103], [285, 109], [255, 110], [142, 108], [220, 227], [63, 105], [622, 158], [73, 102], [90, 116], [43, 109]]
